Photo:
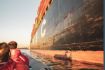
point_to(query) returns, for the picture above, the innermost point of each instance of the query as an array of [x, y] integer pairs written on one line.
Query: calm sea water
[[81, 60]]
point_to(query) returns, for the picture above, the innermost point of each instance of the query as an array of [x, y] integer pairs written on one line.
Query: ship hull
[[71, 25]]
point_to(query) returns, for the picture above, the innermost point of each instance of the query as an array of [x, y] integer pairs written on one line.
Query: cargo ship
[[68, 25]]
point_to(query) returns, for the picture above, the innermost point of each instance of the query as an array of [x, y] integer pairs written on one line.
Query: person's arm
[[24, 59]]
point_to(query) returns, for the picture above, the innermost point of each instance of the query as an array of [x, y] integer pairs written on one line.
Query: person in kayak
[[6, 63], [21, 60]]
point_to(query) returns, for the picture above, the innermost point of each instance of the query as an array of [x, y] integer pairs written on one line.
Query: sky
[[16, 20]]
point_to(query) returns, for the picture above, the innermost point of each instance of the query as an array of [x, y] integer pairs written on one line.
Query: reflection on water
[[78, 60]]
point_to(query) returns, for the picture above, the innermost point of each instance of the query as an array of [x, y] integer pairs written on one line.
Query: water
[[34, 62], [81, 60]]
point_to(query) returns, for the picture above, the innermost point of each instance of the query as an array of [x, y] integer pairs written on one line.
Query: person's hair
[[12, 45], [4, 57]]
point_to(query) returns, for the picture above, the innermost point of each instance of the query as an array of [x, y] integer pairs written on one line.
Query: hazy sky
[[16, 20]]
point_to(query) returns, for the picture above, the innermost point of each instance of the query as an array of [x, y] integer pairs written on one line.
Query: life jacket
[[22, 62], [10, 65]]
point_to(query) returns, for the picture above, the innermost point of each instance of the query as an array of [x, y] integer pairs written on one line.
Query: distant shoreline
[[22, 48]]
